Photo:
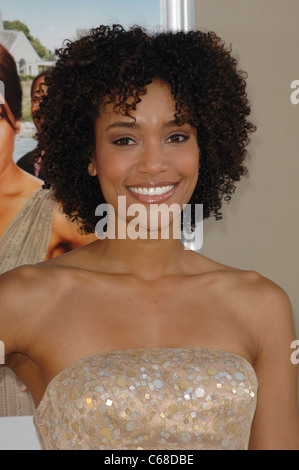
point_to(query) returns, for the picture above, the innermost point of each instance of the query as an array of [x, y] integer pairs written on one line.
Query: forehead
[[157, 99], [35, 87]]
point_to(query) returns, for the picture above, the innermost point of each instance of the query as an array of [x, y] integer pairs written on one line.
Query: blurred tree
[[41, 50]]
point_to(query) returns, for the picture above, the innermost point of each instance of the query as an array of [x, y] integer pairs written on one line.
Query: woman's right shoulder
[[15, 278], [34, 287], [21, 275], [26, 296], [18, 285], [16, 306], [24, 288]]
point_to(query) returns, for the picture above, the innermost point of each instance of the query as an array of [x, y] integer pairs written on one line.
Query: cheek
[[189, 164], [112, 171], [7, 138]]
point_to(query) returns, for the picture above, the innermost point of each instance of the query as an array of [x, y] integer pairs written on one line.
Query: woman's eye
[[123, 141], [178, 138]]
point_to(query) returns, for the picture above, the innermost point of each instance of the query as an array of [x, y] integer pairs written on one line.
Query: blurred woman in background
[[31, 162], [32, 226]]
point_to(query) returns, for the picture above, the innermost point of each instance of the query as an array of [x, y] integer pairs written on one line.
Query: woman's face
[[7, 136], [151, 160]]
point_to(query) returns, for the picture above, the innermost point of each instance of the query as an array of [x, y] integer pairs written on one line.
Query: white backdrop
[[18, 433]]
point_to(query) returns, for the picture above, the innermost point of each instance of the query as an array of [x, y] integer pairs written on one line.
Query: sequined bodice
[[150, 399]]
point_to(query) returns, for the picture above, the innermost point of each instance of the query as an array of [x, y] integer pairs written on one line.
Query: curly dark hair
[[208, 89]]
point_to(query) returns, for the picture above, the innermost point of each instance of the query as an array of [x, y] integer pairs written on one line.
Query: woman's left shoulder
[[260, 299], [245, 292], [260, 288]]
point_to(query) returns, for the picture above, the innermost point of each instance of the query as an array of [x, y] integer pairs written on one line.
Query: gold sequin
[[183, 385], [173, 409], [211, 371], [150, 399], [75, 427], [121, 382]]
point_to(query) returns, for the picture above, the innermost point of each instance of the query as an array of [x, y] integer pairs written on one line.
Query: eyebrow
[[131, 124]]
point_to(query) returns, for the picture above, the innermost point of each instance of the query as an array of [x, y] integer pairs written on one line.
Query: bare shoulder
[[28, 295], [22, 288], [263, 309], [273, 317], [13, 282], [253, 283], [259, 305], [251, 291], [268, 313], [16, 304], [21, 277], [267, 301], [264, 304]]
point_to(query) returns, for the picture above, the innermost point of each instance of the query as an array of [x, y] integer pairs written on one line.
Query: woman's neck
[[14, 181]]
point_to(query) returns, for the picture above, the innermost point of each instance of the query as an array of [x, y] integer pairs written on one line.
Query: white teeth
[[151, 191]]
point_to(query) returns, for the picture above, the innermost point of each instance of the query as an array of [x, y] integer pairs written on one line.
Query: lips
[[153, 192]]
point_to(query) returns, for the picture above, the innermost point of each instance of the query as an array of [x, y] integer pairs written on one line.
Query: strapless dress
[[170, 399]]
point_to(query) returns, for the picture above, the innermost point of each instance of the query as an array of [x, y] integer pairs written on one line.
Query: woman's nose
[[152, 159]]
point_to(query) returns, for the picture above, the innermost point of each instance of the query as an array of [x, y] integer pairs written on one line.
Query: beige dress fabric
[[172, 398], [25, 241]]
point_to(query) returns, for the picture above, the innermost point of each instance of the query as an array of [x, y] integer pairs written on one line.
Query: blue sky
[[53, 21]]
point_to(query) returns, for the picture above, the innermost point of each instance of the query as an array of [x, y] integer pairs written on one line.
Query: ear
[[92, 167]]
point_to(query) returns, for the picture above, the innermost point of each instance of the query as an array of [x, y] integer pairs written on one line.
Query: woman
[[147, 345], [32, 226], [30, 162]]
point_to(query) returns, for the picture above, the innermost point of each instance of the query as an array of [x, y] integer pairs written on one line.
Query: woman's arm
[[276, 423], [13, 307]]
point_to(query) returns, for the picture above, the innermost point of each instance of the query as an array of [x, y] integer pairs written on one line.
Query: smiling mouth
[[153, 192]]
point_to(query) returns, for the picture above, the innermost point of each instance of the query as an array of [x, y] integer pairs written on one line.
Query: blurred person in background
[[30, 162], [32, 225]]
